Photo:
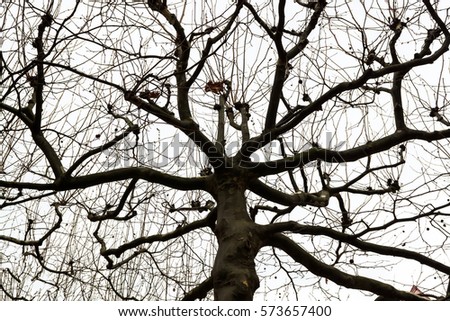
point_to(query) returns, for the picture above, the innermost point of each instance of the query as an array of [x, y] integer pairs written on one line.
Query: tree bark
[[234, 274]]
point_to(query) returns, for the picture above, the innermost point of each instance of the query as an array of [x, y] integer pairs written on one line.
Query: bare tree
[[224, 149]]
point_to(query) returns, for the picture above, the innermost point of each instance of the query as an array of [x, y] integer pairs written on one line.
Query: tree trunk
[[234, 274]]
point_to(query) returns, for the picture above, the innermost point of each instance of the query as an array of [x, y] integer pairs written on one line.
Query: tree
[[191, 150]]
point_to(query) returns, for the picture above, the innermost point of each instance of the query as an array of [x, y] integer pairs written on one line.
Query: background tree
[[226, 150]]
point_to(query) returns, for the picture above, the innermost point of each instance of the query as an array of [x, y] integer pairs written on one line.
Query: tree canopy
[[228, 150]]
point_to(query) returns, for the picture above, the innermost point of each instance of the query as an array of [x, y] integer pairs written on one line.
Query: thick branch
[[319, 199], [182, 51], [349, 155], [187, 126], [144, 173], [208, 221], [341, 278], [293, 119], [69, 183], [211, 41], [200, 291], [351, 239]]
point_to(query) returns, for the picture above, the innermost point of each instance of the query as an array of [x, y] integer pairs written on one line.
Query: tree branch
[[200, 291], [341, 278], [351, 239], [349, 155], [208, 221]]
